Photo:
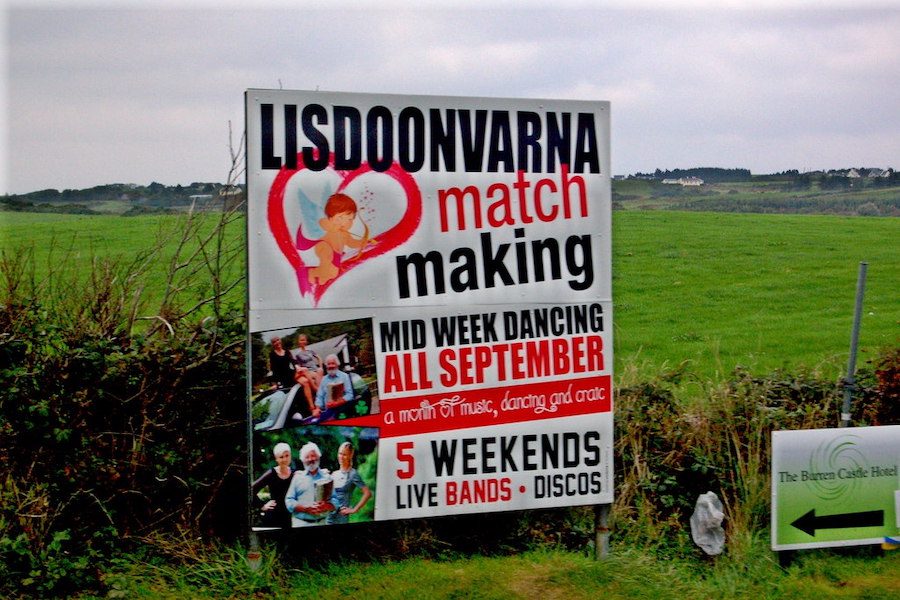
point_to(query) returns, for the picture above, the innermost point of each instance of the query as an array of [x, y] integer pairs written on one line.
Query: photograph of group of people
[[313, 374], [314, 475], [308, 468]]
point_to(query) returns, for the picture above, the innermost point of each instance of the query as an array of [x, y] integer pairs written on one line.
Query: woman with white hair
[[277, 480]]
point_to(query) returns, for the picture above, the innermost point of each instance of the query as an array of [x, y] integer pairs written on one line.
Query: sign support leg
[[601, 531], [254, 556], [850, 381]]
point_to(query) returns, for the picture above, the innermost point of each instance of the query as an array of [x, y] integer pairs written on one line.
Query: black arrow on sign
[[809, 522]]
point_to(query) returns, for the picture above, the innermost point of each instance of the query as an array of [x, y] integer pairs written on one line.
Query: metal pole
[[850, 380], [254, 556], [601, 531]]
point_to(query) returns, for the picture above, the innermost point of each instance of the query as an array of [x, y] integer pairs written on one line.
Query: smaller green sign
[[835, 487]]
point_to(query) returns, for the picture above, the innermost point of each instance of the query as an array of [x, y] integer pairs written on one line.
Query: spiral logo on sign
[[831, 467]]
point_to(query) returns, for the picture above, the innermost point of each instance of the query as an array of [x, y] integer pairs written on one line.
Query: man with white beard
[[308, 497], [336, 388]]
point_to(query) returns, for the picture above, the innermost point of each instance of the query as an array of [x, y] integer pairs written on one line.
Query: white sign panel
[[459, 249], [835, 487]]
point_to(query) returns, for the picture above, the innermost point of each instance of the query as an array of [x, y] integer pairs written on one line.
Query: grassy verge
[[626, 573]]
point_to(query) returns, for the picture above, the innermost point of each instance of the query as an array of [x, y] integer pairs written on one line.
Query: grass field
[[718, 290], [626, 573], [67, 245], [71, 241], [761, 291]]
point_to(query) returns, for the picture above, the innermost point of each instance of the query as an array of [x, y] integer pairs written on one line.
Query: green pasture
[[68, 246], [711, 290], [83, 236], [722, 290]]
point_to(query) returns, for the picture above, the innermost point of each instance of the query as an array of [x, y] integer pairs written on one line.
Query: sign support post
[[850, 380], [601, 531]]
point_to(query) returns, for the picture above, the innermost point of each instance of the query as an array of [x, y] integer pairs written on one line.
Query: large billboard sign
[[429, 280], [835, 487]]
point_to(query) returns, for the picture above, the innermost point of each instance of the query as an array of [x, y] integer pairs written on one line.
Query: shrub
[[869, 209], [667, 453], [113, 428]]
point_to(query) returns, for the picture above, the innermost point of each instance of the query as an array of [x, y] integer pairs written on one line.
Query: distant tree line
[[834, 205], [835, 179], [140, 199], [707, 174], [16, 205], [832, 179]]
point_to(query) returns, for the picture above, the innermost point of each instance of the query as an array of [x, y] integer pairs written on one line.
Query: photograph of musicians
[[333, 375], [300, 499]]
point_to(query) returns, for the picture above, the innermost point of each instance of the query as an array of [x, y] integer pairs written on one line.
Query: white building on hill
[[684, 181]]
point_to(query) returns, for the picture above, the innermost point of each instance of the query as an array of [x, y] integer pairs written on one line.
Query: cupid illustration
[[338, 225], [336, 236]]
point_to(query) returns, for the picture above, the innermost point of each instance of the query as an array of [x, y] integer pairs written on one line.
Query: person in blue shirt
[[345, 479], [303, 500], [335, 389]]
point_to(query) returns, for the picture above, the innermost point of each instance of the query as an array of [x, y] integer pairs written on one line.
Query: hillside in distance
[[126, 199], [862, 192], [854, 191]]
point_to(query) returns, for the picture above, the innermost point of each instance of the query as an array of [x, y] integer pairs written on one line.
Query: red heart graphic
[[385, 241]]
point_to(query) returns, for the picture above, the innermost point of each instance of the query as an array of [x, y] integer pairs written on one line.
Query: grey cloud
[[146, 94]]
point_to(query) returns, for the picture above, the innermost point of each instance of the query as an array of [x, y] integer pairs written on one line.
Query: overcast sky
[[130, 95]]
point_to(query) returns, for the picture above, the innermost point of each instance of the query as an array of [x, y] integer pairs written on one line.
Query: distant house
[[875, 173], [853, 174], [684, 181], [232, 196]]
